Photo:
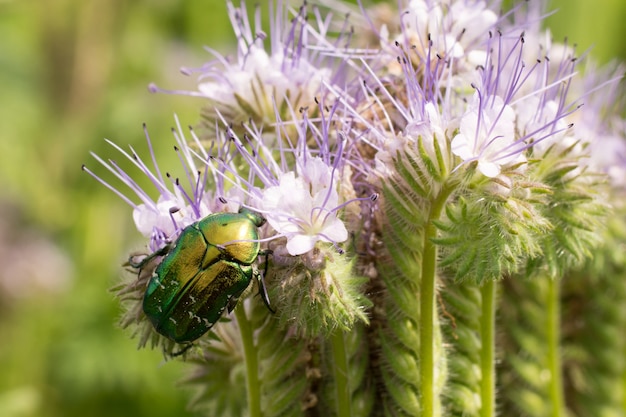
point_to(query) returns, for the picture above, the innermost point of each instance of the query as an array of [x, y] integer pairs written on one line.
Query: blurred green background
[[74, 72]]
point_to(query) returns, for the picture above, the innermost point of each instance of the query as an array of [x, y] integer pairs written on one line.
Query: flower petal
[[299, 244]]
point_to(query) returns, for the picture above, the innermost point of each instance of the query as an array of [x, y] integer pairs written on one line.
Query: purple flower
[[600, 125], [450, 29], [304, 185], [176, 205], [287, 75], [303, 208], [513, 106], [487, 135]]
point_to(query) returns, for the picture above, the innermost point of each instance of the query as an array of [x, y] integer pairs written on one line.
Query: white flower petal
[[487, 134], [489, 169], [301, 207], [299, 244], [335, 230], [460, 147]]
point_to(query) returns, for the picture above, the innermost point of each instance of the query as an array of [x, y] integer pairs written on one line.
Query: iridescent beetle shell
[[204, 272]]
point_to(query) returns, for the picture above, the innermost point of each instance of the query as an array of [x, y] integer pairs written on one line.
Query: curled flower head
[[302, 190], [287, 75], [453, 27], [177, 204], [515, 107], [466, 133], [451, 32]]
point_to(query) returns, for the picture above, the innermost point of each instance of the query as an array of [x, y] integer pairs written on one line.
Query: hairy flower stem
[[252, 361], [427, 306], [487, 352], [340, 374], [553, 296]]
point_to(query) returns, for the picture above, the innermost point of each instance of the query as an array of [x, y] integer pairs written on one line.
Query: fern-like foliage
[[576, 208], [486, 234]]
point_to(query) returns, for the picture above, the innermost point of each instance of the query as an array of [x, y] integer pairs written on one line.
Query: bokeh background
[[73, 72]]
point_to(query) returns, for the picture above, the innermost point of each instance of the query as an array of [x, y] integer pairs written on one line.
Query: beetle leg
[[266, 253], [183, 350], [261, 279], [139, 265], [232, 303], [263, 292]]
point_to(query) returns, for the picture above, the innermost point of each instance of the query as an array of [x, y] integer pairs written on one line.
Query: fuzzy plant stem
[[487, 352], [427, 307], [427, 303], [340, 373], [554, 342], [252, 361]]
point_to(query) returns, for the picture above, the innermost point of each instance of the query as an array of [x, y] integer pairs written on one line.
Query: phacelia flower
[[176, 205], [599, 126], [409, 110], [515, 107], [302, 207], [161, 214], [445, 36], [287, 75], [301, 195], [304, 189], [487, 135], [453, 27]]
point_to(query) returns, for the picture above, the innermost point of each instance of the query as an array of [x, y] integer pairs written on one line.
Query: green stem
[[554, 342], [487, 351], [427, 307], [340, 373], [252, 361]]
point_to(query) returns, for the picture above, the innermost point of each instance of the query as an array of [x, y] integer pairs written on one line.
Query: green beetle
[[202, 273]]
